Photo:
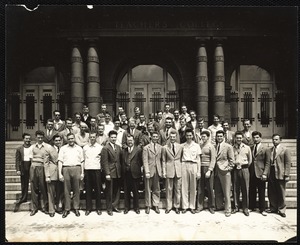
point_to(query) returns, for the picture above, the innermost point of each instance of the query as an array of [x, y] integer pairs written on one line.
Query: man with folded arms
[[242, 159], [171, 162], [70, 170]]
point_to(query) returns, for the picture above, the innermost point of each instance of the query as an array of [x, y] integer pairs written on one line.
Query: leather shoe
[[126, 211], [33, 212], [77, 213], [98, 212], [45, 211], [65, 214], [198, 210], [184, 211], [235, 210], [193, 211], [59, 211], [116, 210], [137, 211], [211, 210], [156, 210], [177, 211], [168, 211], [17, 207], [227, 214], [87, 212], [147, 211], [52, 215], [263, 213], [110, 213], [282, 214], [246, 212], [270, 211]]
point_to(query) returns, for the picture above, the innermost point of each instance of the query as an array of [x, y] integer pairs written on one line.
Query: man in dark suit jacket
[[280, 160], [50, 132], [229, 135], [137, 134], [85, 117], [165, 132], [131, 169], [111, 164], [181, 131], [22, 167], [259, 170]]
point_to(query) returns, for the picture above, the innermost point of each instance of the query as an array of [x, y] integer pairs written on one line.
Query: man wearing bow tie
[[280, 160]]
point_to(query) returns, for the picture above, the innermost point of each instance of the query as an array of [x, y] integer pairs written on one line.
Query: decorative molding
[[93, 79], [219, 58], [202, 58], [77, 79], [93, 59], [76, 59], [77, 99], [219, 78], [202, 98], [93, 99], [219, 98], [201, 79]]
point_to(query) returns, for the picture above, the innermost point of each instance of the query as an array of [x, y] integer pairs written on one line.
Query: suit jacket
[[49, 139], [282, 161], [190, 125], [230, 137], [87, 121], [64, 134], [171, 164], [61, 126], [248, 140], [111, 160], [19, 159], [50, 165], [137, 137], [163, 137], [260, 162], [133, 161], [225, 158], [152, 159]]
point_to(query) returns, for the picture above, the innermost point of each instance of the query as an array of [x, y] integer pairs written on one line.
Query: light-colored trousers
[[173, 184], [189, 185]]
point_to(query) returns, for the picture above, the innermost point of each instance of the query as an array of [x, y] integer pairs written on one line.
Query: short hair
[[77, 113], [159, 111], [93, 118], [132, 120], [93, 132], [182, 118], [70, 134], [107, 113], [189, 130], [100, 125], [225, 121], [56, 111], [56, 136], [123, 113], [193, 111], [246, 119], [168, 118], [112, 132], [136, 108], [173, 131], [167, 104], [200, 119], [130, 136], [154, 132], [116, 119], [206, 132], [103, 105], [220, 132], [39, 132], [254, 133], [216, 115], [176, 110], [83, 124], [276, 134], [238, 133], [25, 134], [69, 119], [50, 120]]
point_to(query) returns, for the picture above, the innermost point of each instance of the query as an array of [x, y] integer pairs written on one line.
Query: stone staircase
[[13, 185]]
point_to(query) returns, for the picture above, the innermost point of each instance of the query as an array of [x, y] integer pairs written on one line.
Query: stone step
[[14, 186], [10, 166]]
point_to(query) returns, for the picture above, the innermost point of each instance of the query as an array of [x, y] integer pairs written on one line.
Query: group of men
[[194, 163]]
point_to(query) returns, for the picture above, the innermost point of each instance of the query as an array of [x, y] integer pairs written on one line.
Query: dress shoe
[[45, 211], [198, 210], [65, 214], [33, 212], [246, 212], [235, 210], [193, 211], [147, 211], [282, 214], [110, 213], [271, 211], [183, 211], [156, 210], [227, 214], [77, 212], [59, 211], [211, 210], [98, 212], [137, 211], [263, 213], [177, 211], [17, 207], [116, 210], [52, 215], [126, 211], [87, 212], [168, 211]]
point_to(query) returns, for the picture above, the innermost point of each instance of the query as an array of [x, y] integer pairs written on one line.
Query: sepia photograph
[[151, 123]]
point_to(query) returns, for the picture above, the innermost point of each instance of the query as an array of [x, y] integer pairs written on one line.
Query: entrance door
[[38, 105], [149, 97], [257, 104]]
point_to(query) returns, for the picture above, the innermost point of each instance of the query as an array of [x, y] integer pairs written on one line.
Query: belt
[[190, 162], [71, 166], [243, 166], [273, 165]]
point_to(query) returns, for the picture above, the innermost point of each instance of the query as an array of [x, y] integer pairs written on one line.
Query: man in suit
[[280, 160], [50, 132], [193, 123], [181, 131], [242, 159], [171, 167], [85, 117], [93, 124], [76, 124], [247, 133], [59, 125], [185, 114], [66, 131], [119, 131], [229, 135], [224, 164], [137, 113], [22, 167], [167, 112], [214, 128], [259, 169], [159, 122], [137, 134], [176, 120], [198, 131], [131, 169], [153, 171], [164, 133], [111, 155], [102, 138]]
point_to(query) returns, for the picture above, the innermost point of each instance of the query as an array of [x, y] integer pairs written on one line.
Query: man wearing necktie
[[66, 131], [259, 170], [165, 132], [50, 132], [132, 130], [279, 176], [171, 166]]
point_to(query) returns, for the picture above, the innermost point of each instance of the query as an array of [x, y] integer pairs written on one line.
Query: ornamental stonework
[[219, 98], [77, 79]]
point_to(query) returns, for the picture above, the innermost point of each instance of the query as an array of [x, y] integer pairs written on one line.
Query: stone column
[[93, 80], [202, 83], [77, 82], [219, 82]]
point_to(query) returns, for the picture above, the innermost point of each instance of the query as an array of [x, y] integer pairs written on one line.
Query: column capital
[[219, 41]]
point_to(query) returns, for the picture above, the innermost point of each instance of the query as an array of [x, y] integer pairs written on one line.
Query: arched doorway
[[149, 87]]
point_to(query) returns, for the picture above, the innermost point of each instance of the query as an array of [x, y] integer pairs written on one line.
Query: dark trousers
[[25, 180], [257, 185], [60, 195], [38, 187], [71, 183], [276, 192], [93, 181], [113, 187], [131, 184], [207, 183], [241, 183], [51, 187]]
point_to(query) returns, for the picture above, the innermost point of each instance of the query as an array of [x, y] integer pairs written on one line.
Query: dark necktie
[[173, 148], [226, 137], [154, 149], [167, 132], [218, 149], [255, 149], [274, 154], [57, 149]]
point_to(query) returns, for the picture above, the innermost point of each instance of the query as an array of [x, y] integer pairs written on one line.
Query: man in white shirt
[[247, 133], [185, 114], [176, 120], [216, 126], [167, 112], [102, 138], [119, 131], [82, 138], [108, 123], [59, 125]]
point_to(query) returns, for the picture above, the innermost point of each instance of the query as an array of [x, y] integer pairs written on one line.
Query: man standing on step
[[22, 167]]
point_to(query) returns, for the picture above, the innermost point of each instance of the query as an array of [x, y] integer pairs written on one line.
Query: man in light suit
[[247, 133], [171, 163], [111, 164], [67, 130], [280, 160], [50, 132], [164, 133], [229, 135], [153, 171], [224, 164], [131, 170], [59, 125], [259, 170]]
